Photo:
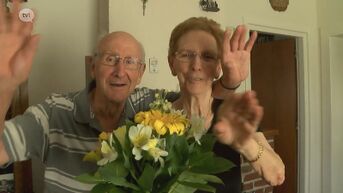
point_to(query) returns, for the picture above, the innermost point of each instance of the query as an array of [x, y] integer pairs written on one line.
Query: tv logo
[[26, 15]]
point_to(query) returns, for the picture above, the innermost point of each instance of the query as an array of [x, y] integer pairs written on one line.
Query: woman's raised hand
[[236, 55]]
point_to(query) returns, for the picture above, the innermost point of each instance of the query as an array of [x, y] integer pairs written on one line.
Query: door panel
[[273, 77]]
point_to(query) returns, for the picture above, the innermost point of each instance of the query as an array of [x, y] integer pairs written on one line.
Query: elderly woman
[[199, 51]]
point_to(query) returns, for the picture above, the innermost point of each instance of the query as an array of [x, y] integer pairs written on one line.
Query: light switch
[[153, 65]]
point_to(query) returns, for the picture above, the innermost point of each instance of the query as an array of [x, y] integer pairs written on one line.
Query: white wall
[[331, 26], [336, 58], [68, 31], [301, 19]]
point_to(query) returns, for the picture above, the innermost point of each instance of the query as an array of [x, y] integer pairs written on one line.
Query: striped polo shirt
[[60, 131]]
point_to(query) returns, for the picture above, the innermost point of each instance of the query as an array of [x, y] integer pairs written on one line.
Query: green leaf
[[129, 123], [124, 183], [164, 180], [199, 186], [115, 174], [207, 143], [117, 145], [115, 168], [211, 165], [106, 188], [180, 188], [199, 178], [200, 158], [176, 187], [177, 148], [88, 179], [127, 151], [146, 180], [210, 178]]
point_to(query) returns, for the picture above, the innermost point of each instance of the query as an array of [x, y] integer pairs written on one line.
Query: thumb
[[222, 132]]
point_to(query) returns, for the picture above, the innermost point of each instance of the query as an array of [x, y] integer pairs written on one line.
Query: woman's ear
[[218, 71], [171, 65]]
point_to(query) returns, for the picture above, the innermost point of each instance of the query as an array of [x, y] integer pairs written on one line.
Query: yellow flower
[[176, 123], [144, 118], [104, 136], [151, 144], [92, 156], [160, 127], [120, 134], [140, 117]]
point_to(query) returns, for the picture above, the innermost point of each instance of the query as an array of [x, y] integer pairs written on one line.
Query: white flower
[[108, 152], [155, 151], [157, 154], [139, 136], [197, 129]]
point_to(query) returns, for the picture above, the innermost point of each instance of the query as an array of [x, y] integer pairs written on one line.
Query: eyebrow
[[202, 52]]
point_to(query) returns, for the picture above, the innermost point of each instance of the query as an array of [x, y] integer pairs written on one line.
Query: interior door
[[273, 77]]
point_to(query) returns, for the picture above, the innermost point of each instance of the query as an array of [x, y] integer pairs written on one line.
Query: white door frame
[[305, 145]]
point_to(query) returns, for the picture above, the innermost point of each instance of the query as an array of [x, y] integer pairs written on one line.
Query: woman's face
[[196, 62]]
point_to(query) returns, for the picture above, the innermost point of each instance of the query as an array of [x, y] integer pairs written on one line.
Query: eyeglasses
[[189, 56], [130, 63]]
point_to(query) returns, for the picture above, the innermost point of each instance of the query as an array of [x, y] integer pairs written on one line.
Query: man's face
[[118, 68]]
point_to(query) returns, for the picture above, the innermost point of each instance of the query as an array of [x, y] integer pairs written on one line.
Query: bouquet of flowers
[[161, 151]]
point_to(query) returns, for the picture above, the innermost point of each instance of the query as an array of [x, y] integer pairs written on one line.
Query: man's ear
[[171, 65], [92, 68], [141, 73]]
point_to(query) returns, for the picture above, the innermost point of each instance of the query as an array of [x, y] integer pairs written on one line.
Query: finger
[[15, 22], [256, 116], [241, 101], [242, 35], [252, 99], [235, 39], [30, 48], [246, 106], [226, 42], [251, 41], [3, 21], [27, 28]]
